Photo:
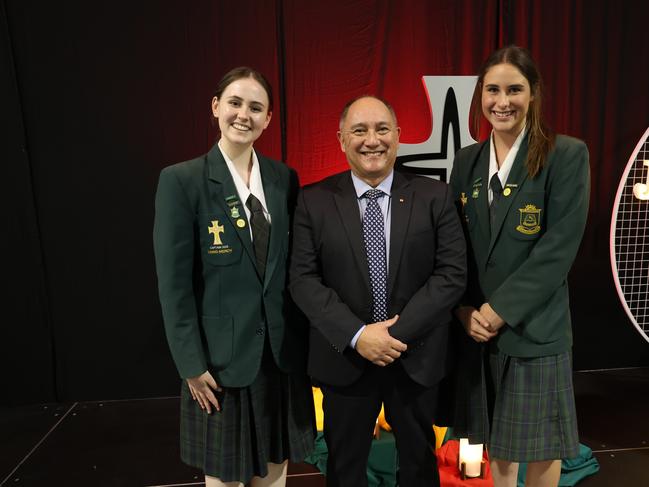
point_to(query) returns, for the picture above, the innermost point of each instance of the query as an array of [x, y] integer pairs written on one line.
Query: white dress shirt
[[256, 187], [506, 166]]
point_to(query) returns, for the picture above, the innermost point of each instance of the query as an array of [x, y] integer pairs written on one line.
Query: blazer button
[[260, 331]]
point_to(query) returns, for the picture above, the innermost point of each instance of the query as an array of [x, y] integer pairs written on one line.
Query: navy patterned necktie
[[497, 189], [260, 232], [374, 236]]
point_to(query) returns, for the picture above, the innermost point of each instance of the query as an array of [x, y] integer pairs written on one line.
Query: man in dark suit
[[378, 263]]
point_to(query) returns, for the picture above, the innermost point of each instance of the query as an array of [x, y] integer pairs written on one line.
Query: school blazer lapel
[[223, 192], [480, 183], [515, 180]]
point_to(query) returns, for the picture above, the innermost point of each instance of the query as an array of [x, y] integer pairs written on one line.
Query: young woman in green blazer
[[524, 199], [221, 246]]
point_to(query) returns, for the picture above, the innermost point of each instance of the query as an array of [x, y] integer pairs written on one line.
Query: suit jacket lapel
[[274, 198], [515, 180], [226, 196], [347, 205], [401, 205]]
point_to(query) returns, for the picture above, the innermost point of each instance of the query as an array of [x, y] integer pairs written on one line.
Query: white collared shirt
[[506, 166], [256, 186]]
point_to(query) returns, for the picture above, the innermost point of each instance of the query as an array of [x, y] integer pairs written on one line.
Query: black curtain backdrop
[[98, 97]]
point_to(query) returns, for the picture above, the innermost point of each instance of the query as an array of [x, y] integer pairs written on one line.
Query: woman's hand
[[494, 320], [202, 388], [474, 323]]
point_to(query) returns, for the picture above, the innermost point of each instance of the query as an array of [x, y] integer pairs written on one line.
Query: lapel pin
[[507, 191], [241, 223], [234, 212], [400, 200]]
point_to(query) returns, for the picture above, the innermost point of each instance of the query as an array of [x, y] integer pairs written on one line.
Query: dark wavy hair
[[245, 72], [541, 138]]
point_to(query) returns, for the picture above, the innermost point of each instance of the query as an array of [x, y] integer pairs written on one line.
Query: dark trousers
[[350, 415]]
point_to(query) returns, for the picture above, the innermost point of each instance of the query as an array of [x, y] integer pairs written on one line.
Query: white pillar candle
[[471, 455]]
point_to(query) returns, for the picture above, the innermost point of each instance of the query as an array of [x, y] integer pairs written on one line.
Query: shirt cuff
[[358, 334]]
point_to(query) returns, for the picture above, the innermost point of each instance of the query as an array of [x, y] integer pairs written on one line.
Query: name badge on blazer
[[477, 184], [233, 202]]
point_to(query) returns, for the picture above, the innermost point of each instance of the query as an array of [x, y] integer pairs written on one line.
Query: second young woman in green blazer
[[524, 198]]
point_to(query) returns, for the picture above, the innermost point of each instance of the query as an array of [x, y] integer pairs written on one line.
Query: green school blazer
[[216, 309], [520, 267]]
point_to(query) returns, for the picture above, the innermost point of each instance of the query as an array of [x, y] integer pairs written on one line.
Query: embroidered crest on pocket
[[530, 220]]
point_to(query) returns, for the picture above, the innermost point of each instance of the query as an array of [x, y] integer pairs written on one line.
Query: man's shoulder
[[418, 182], [328, 184]]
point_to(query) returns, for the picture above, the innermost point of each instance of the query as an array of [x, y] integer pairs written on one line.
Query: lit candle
[[471, 455]]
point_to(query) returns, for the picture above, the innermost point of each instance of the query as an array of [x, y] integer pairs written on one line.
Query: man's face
[[369, 137]]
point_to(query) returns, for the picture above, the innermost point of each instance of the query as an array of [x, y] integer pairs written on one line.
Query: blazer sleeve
[[547, 265], [323, 307], [430, 306], [174, 244]]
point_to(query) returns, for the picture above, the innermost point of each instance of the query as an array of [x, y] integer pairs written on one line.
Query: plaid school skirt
[[534, 415], [271, 420]]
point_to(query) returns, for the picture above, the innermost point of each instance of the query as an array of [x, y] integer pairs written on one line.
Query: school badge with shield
[[530, 220]]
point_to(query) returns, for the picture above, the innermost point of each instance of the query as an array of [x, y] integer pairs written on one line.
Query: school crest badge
[[530, 222]]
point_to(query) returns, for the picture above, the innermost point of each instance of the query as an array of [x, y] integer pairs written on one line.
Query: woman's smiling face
[[506, 97], [242, 111]]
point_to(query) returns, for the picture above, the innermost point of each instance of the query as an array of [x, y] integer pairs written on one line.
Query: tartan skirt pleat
[[271, 420], [534, 415]]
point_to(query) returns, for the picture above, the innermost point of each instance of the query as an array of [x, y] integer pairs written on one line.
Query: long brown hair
[[541, 138]]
